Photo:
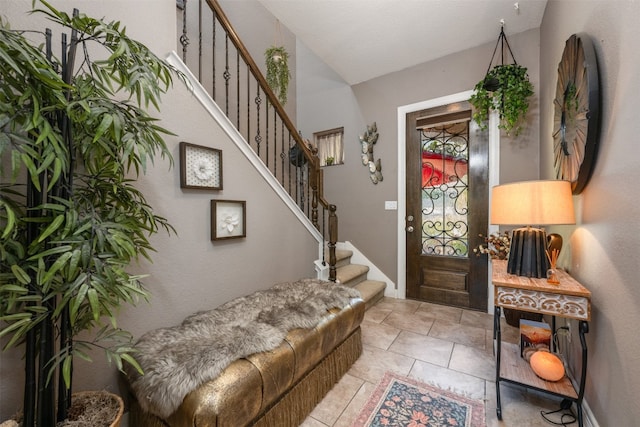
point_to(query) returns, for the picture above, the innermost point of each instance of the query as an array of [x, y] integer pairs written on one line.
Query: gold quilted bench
[[278, 387]]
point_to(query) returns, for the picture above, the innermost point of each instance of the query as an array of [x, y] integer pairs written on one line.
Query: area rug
[[402, 401]]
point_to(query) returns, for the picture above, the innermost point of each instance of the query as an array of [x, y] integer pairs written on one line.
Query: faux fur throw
[[177, 360]]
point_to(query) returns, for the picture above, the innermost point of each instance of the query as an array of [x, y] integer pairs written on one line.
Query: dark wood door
[[447, 205]]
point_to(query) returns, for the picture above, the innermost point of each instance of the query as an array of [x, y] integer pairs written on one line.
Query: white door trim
[[494, 176]]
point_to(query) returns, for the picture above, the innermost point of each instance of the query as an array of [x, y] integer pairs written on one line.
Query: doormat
[[402, 401]]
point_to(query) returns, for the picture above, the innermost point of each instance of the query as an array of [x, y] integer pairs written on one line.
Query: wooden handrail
[[233, 36]]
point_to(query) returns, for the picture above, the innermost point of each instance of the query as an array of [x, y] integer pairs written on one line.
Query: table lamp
[[531, 203]]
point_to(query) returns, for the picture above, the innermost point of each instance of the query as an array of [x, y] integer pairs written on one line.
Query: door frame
[[494, 179]]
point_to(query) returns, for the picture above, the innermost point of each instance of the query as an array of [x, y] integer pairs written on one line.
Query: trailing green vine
[[278, 75], [505, 88]]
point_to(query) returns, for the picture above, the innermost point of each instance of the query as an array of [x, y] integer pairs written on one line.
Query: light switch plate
[[391, 205]]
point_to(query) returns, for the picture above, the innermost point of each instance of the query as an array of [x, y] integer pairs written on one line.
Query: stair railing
[[227, 71]]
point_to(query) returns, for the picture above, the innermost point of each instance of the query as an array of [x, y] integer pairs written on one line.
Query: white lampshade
[[543, 202]]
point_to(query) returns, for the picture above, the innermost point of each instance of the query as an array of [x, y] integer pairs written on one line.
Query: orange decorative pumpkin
[[547, 366]]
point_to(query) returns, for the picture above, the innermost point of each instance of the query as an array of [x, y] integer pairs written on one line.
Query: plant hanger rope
[[501, 38]]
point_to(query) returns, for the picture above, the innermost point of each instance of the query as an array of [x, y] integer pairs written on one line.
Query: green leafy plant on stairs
[[278, 74]]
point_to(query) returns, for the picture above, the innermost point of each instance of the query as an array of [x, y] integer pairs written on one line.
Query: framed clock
[[200, 167], [576, 122]]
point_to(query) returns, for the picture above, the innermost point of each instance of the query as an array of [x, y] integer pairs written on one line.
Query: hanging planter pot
[[278, 74], [505, 88]]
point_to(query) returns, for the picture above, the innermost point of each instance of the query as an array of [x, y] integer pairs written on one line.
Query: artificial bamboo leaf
[[20, 274], [66, 371], [53, 227], [92, 295]]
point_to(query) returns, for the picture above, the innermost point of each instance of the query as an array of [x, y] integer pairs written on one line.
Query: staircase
[[355, 276]]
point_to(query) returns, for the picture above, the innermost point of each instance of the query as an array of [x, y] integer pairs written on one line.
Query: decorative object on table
[[200, 167], [576, 121], [545, 202], [277, 63], [534, 336], [78, 130], [552, 272], [402, 401], [228, 219], [547, 365], [505, 88], [496, 245], [367, 141]]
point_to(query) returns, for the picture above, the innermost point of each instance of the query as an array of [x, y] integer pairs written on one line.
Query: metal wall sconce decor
[[228, 219], [200, 167], [367, 141]]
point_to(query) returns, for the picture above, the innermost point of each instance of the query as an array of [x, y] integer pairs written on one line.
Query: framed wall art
[[200, 167], [228, 219]]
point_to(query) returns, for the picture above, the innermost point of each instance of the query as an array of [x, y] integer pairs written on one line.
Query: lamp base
[[527, 255]]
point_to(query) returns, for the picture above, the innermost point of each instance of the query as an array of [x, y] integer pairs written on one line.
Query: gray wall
[[189, 272], [325, 101], [603, 245]]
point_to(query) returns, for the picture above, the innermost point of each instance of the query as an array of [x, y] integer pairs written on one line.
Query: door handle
[[410, 229], [410, 218]]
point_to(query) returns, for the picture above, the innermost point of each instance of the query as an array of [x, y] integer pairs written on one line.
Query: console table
[[569, 299]]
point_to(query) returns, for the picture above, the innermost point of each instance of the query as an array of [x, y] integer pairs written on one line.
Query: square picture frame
[[228, 219], [200, 167]]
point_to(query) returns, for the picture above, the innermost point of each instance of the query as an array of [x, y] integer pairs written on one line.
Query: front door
[[447, 204]]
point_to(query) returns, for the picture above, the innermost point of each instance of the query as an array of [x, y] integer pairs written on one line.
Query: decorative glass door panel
[[445, 184]]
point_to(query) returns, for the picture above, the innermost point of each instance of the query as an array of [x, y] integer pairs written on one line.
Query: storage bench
[[277, 387]]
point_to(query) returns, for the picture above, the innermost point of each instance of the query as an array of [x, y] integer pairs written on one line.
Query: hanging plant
[[506, 89], [277, 61]]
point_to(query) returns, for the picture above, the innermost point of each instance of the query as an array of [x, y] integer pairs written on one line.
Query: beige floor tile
[[519, 407], [330, 408], [442, 312], [416, 322], [455, 332], [355, 406], [312, 422], [427, 349], [376, 314], [378, 334], [477, 319], [473, 361], [399, 305], [374, 362]]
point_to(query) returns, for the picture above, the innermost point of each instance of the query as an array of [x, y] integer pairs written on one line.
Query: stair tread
[[340, 254], [348, 272], [371, 290]]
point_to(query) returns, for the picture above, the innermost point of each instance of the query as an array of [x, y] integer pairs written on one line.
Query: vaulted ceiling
[[364, 39]]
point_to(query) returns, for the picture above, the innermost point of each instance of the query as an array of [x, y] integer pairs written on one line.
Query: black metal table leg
[[497, 337]]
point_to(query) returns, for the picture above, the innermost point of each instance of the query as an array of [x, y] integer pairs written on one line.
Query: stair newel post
[[333, 238]]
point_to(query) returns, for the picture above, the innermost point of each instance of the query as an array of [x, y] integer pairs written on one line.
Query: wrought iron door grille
[[445, 184]]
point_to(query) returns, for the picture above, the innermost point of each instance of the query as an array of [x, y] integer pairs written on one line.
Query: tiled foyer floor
[[445, 346]]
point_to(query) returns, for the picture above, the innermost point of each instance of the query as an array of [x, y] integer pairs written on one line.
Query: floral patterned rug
[[402, 401]]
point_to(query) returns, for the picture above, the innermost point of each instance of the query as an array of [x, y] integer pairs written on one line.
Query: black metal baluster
[[184, 38], [213, 54], [226, 74], [258, 137], [200, 40]]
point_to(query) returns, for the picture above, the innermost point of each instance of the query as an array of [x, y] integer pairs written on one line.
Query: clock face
[[576, 113]]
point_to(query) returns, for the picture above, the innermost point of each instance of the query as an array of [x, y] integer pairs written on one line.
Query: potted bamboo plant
[[73, 143], [278, 74]]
